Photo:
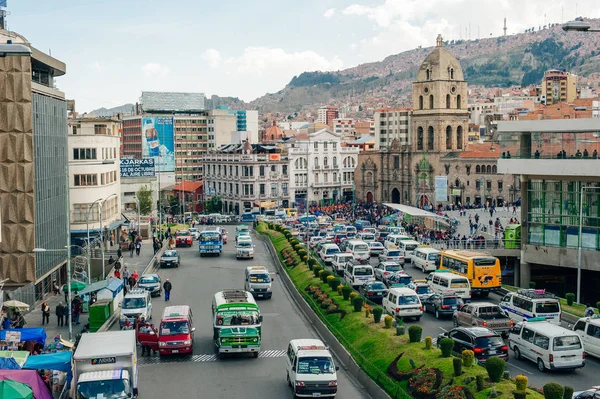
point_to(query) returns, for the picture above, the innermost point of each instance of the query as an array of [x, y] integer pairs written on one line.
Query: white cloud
[[330, 12], [154, 69], [212, 57], [99, 67]]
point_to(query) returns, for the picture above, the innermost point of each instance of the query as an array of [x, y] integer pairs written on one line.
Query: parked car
[[482, 341], [375, 248], [373, 291], [384, 269], [392, 254], [169, 259], [441, 305], [397, 278], [151, 283]]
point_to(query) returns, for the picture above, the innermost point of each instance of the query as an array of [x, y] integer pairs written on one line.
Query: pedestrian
[[119, 252], [126, 274], [60, 314], [589, 311], [138, 247], [6, 323], [167, 286], [45, 313], [117, 274], [55, 288], [135, 275], [131, 248], [76, 309], [18, 321], [131, 282]]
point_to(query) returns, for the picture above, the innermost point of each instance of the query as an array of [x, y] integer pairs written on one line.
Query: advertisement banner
[[274, 157], [137, 167], [441, 188], [158, 142]]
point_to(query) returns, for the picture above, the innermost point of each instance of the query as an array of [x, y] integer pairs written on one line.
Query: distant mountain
[[231, 102], [519, 59], [104, 112]]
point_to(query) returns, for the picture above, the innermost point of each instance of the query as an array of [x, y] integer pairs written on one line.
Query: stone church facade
[[438, 146]]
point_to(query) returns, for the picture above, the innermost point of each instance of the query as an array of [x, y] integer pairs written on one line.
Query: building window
[[419, 138], [74, 129], [477, 169], [458, 102], [101, 129], [262, 189], [448, 101], [449, 138], [396, 162], [428, 74], [284, 170], [325, 161], [430, 138], [261, 170], [335, 164], [431, 101], [84, 153], [459, 137], [420, 102], [489, 170], [316, 162], [86, 180], [451, 73], [316, 145], [500, 185], [325, 145], [334, 145], [494, 169], [488, 185]]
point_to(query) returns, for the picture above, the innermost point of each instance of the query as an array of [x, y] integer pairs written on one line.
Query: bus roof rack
[[536, 294], [233, 295]]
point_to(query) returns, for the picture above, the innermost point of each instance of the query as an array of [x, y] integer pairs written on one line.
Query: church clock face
[[426, 90]]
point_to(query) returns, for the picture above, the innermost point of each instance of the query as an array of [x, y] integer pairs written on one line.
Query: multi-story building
[[34, 189], [345, 127], [327, 114], [557, 161], [94, 175], [479, 111], [247, 121], [321, 170], [390, 124], [363, 128], [558, 87], [247, 176]]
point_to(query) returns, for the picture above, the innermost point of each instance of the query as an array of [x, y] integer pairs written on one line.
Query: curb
[[350, 366]]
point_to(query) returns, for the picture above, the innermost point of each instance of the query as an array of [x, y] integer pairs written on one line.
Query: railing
[[477, 244]]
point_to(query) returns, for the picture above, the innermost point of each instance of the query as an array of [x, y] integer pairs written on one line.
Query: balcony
[[317, 167], [326, 167], [247, 178], [262, 196], [262, 177], [247, 196]]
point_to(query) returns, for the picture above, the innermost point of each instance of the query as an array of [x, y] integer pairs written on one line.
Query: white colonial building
[[321, 169], [94, 176]]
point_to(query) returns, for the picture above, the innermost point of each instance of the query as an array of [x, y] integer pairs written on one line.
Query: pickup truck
[[483, 314]]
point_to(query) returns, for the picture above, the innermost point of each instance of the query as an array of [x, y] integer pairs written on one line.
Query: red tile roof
[[188, 186]]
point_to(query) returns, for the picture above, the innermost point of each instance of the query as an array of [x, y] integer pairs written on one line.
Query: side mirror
[[260, 319], [193, 329], [337, 368]]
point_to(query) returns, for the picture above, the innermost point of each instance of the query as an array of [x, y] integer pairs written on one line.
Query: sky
[[115, 49]]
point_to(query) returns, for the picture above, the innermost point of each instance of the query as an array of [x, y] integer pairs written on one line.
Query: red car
[[338, 238], [183, 238]]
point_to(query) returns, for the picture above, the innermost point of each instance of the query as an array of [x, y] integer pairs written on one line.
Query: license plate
[[492, 352], [175, 351], [485, 283], [316, 394]]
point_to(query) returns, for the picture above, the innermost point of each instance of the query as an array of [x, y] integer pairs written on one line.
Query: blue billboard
[[137, 167], [158, 142]]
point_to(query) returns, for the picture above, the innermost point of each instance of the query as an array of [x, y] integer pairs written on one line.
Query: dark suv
[[441, 305], [482, 341]]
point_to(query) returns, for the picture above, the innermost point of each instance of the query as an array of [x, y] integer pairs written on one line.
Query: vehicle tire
[[255, 355], [437, 314], [517, 353], [455, 321], [540, 364], [287, 376], [423, 269], [418, 318], [485, 294]]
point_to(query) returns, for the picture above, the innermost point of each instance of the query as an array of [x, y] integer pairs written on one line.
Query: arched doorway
[[395, 196], [369, 197]]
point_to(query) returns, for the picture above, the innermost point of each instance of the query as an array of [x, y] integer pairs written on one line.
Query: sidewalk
[[33, 319]]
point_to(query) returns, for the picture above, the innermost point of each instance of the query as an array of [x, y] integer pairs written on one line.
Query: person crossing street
[[167, 286]]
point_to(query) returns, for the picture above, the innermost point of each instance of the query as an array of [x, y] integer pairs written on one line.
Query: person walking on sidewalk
[[45, 313], [167, 286], [131, 248], [60, 314], [138, 247]]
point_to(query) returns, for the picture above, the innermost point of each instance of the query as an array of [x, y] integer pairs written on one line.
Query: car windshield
[[450, 301], [237, 318], [244, 244], [376, 245], [134, 303], [363, 271], [423, 290], [343, 259], [170, 254], [377, 286], [403, 279], [487, 342], [174, 328], [459, 284], [183, 233], [149, 280], [332, 251], [205, 237], [433, 257], [393, 253], [408, 300], [368, 237], [108, 389], [567, 343], [259, 278], [393, 268], [547, 307], [411, 247], [315, 365]]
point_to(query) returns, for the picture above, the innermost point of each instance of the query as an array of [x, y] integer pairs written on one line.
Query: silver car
[[169, 259], [151, 283]]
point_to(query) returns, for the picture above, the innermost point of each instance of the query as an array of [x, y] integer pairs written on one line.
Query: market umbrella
[[13, 303], [75, 286], [10, 389]]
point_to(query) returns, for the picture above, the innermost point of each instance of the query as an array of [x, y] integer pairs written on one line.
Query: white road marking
[[443, 329], [517, 367]]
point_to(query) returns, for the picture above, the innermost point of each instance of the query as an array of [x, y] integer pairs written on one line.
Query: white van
[[588, 329], [407, 248], [443, 282], [310, 369], [137, 303], [356, 274], [550, 346], [402, 302], [426, 259], [392, 240], [339, 262], [258, 282], [528, 303], [366, 237], [328, 251], [359, 249]]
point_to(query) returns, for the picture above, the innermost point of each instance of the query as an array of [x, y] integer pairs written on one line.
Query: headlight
[[251, 289], [162, 344], [299, 383], [187, 342], [222, 340], [268, 289], [255, 340]]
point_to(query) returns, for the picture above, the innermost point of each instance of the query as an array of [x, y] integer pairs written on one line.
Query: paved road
[[579, 379], [195, 283]]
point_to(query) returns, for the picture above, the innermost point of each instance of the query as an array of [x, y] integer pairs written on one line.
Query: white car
[[391, 254], [195, 233], [376, 248], [315, 240]]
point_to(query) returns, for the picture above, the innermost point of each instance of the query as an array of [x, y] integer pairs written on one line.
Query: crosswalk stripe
[[270, 353]]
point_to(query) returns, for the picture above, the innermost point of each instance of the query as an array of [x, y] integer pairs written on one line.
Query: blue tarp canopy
[[27, 334], [8, 363], [60, 361], [94, 287]]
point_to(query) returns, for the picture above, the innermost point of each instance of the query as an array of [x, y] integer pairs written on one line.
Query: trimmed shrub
[[568, 392], [520, 394], [301, 251], [456, 363], [480, 382], [353, 295], [297, 247], [495, 367], [312, 262], [414, 333], [357, 302], [570, 297], [346, 290], [446, 345], [553, 390], [324, 275], [339, 289], [316, 270], [532, 284], [521, 382], [320, 275], [329, 278], [597, 307], [506, 375], [428, 343], [387, 320], [377, 312], [334, 282], [468, 357]]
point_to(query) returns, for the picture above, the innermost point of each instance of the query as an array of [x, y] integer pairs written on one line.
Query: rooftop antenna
[[504, 26]]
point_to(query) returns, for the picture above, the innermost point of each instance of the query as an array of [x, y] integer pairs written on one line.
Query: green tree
[[213, 205], [144, 196]]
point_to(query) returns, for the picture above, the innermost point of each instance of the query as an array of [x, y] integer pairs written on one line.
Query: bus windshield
[[209, 236], [259, 278], [237, 318], [315, 365]]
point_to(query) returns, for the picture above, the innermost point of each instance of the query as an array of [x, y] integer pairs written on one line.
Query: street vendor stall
[[26, 334], [31, 379], [19, 357]]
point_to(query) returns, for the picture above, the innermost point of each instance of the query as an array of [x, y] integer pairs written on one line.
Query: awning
[[417, 212], [94, 287]]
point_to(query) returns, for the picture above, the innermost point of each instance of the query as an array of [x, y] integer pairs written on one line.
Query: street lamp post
[[102, 232], [579, 247], [137, 203], [89, 243]]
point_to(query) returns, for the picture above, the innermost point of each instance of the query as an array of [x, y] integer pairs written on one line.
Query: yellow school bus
[[482, 269]]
